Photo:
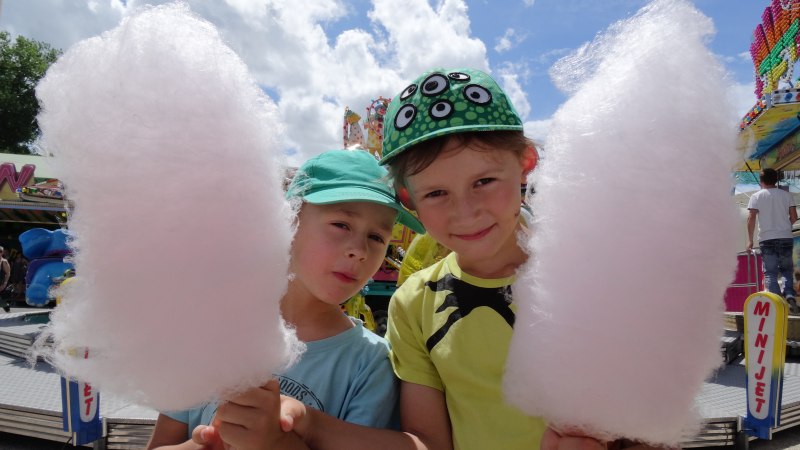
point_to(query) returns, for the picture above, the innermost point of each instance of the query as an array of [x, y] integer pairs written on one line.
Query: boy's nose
[[357, 250], [465, 206]]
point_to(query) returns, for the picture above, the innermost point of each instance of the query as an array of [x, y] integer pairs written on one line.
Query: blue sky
[[546, 30], [316, 57]]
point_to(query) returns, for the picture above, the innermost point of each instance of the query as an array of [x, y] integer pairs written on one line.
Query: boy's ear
[[405, 198], [529, 160]]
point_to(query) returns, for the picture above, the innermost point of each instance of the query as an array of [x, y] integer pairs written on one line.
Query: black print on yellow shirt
[[465, 298]]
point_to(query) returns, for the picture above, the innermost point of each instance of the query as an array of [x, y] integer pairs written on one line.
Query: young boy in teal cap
[[347, 208]]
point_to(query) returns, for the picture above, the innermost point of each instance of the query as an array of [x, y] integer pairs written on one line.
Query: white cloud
[[742, 97], [510, 39], [537, 130], [727, 59], [424, 37], [745, 56], [59, 23], [312, 76], [509, 77], [547, 58], [528, 3], [504, 42]]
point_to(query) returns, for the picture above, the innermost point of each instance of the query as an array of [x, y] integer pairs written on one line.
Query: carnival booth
[[757, 322], [29, 193], [769, 134]]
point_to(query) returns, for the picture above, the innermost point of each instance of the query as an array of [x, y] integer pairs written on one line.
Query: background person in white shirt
[[774, 208]]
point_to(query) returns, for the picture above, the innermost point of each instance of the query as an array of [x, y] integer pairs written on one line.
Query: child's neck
[[313, 319], [501, 265], [492, 269]]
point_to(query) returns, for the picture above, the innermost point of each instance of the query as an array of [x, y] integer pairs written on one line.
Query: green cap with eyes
[[446, 101]]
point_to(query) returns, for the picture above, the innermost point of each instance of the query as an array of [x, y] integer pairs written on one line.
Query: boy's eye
[[377, 238], [341, 225], [433, 194], [484, 181]]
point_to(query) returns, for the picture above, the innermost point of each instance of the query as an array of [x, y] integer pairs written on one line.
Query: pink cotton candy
[[181, 234], [620, 308]]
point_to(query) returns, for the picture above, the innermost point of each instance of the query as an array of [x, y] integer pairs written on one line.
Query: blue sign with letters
[[80, 404]]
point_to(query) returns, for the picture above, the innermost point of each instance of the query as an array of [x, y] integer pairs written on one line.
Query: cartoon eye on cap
[[458, 76], [408, 91], [405, 115], [477, 94], [435, 84], [441, 109]]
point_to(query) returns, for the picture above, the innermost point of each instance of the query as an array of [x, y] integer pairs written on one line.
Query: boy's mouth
[[474, 236], [346, 277]]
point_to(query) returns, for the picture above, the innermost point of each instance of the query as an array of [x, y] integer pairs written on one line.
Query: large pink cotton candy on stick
[[620, 308], [181, 234]]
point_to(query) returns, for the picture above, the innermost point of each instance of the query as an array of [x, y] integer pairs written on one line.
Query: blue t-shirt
[[347, 376]]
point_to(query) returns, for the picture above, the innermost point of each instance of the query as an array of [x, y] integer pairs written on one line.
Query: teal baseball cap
[[446, 101], [339, 176]]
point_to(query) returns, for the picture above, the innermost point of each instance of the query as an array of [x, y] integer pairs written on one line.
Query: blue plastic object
[[43, 274], [46, 250], [40, 242]]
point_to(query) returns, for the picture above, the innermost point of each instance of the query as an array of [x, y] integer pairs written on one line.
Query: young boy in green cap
[[346, 211], [457, 152]]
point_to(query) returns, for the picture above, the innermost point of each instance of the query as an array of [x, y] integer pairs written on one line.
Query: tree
[[22, 64]]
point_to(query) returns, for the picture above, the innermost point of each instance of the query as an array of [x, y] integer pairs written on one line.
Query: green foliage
[[23, 63]]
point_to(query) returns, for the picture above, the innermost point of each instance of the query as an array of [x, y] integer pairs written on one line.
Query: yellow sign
[[766, 318], [11, 180]]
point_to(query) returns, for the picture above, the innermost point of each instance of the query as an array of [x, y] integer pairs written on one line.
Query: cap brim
[[356, 194], [451, 130]]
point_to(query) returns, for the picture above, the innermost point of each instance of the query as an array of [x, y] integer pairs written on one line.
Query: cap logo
[[441, 109], [477, 94], [408, 92], [434, 85], [458, 76], [405, 116]]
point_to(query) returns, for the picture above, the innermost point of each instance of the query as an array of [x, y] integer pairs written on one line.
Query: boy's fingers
[[235, 436], [258, 396], [251, 397], [203, 434], [234, 414], [272, 385], [287, 423], [550, 440], [553, 440]]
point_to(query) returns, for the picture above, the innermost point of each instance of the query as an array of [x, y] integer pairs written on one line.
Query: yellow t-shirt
[[451, 331], [422, 253]]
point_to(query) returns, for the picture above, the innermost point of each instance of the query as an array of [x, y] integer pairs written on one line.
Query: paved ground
[[16, 442], [22, 307], [786, 439]]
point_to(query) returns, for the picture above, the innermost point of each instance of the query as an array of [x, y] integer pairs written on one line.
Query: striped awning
[[32, 212]]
